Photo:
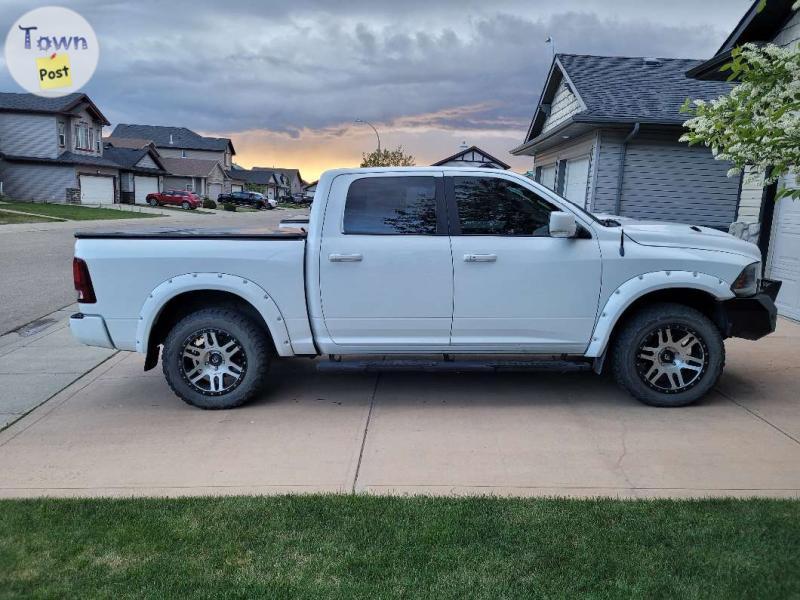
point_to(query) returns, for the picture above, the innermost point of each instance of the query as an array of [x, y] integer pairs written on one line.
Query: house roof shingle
[[181, 137], [134, 143], [491, 158], [65, 158], [626, 89], [256, 177], [127, 158], [17, 102], [188, 167]]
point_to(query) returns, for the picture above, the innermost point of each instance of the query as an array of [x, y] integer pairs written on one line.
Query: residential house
[[141, 172], [180, 142], [605, 135], [51, 150], [289, 180], [310, 189], [776, 225], [472, 156], [261, 181], [203, 177]]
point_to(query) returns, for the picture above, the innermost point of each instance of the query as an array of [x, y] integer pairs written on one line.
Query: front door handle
[[480, 258], [345, 257]]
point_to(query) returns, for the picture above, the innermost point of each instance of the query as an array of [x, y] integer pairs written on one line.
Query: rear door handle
[[480, 258], [345, 257]]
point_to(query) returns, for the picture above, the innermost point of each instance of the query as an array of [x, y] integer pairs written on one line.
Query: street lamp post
[[377, 135]]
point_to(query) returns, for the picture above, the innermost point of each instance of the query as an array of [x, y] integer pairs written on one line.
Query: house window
[[82, 137], [98, 142], [62, 134]]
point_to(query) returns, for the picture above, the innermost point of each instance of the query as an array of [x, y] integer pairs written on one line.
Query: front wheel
[[153, 202], [668, 355], [185, 205], [216, 358]]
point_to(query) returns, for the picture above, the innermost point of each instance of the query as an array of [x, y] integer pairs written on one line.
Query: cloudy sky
[[286, 78]]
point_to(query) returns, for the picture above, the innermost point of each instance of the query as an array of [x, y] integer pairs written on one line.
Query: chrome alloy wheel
[[672, 359], [212, 361]]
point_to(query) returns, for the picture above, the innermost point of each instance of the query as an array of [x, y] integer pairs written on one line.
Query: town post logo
[[51, 51]]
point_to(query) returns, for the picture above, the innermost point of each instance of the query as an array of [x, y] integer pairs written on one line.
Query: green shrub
[[229, 207], [208, 203]]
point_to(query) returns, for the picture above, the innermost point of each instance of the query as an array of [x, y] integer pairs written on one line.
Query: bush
[[208, 203], [229, 207]]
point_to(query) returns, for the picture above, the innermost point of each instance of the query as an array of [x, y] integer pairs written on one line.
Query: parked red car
[[182, 198]]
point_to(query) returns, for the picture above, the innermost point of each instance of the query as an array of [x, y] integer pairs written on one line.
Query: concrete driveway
[[120, 432]]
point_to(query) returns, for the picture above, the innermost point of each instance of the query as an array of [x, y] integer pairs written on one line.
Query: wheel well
[[697, 299], [188, 302]]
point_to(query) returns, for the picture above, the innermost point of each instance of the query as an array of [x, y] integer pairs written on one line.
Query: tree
[[757, 124], [387, 158]]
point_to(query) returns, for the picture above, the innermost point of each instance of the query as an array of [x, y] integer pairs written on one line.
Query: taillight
[[83, 283]]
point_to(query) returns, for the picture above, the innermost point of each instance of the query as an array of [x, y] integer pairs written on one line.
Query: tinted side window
[[491, 206], [391, 205]]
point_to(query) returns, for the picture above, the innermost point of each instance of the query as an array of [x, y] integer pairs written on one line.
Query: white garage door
[[97, 190], [214, 190], [236, 188], [784, 254], [576, 179], [144, 185]]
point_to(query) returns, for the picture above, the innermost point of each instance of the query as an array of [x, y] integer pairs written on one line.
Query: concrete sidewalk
[[120, 432], [40, 359]]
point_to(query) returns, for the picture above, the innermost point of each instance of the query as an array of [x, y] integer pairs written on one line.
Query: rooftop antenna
[[463, 145], [552, 44]]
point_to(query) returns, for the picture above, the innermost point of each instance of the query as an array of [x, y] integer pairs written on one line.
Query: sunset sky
[[286, 79]]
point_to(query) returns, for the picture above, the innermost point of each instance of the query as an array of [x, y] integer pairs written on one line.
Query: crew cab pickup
[[458, 262]]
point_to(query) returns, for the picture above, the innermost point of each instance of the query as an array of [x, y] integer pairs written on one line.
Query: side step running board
[[452, 366]]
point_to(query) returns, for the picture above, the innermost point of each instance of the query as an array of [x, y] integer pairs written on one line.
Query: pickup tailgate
[[126, 268]]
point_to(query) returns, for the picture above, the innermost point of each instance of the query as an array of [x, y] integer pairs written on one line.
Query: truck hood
[[679, 235]]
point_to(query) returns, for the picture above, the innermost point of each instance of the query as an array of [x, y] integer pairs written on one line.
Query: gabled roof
[[255, 177], [189, 167], [622, 90], [457, 155], [181, 137], [756, 27], [290, 173], [31, 103], [127, 158]]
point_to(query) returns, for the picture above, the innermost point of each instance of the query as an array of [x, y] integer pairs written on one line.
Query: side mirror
[[562, 225]]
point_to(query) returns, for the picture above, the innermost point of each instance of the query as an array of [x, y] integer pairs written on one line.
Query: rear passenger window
[[391, 206], [493, 206]]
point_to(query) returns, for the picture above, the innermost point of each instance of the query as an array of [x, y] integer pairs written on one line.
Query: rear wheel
[[216, 358], [153, 202], [668, 355]]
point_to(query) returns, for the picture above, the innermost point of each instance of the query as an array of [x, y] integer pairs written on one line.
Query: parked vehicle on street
[[462, 262], [245, 198], [182, 198]]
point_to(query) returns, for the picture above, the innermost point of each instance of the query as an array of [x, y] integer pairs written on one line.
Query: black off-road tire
[[641, 325], [254, 341]]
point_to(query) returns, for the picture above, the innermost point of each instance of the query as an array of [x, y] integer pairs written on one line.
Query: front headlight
[[746, 283]]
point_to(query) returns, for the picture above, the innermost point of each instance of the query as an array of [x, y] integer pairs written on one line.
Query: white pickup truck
[[453, 262]]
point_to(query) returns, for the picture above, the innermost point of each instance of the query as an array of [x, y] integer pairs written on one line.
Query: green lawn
[[7, 218], [73, 212], [381, 547]]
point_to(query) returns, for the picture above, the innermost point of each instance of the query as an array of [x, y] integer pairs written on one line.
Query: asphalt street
[[36, 260]]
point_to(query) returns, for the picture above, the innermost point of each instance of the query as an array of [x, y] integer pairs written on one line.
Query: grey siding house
[[289, 181], [141, 172], [605, 135], [51, 150], [774, 225]]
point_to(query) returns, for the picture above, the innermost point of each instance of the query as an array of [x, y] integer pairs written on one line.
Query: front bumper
[[754, 317], [90, 330]]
